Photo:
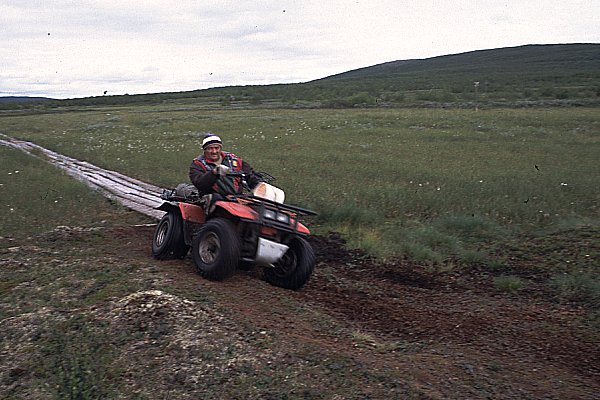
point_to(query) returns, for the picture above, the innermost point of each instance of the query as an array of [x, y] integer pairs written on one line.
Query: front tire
[[295, 267], [216, 249], [168, 239]]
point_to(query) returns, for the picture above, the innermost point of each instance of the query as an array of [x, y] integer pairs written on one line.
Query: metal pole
[[476, 88]]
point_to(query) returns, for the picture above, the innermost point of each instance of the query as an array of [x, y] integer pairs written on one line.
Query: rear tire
[[295, 267], [216, 249], [168, 239]]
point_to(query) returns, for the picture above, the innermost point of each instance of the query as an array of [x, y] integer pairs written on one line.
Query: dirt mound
[[188, 340]]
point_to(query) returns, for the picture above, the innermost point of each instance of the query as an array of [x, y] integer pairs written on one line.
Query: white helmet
[[211, 139]]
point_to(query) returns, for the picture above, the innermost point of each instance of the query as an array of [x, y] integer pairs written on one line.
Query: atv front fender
[[237, 210]]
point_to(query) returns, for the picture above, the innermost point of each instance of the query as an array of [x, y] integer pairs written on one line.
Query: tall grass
[[37, 197], [392, 180], [578, 286]]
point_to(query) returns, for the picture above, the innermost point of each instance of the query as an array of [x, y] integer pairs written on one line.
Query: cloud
[[69, 49]]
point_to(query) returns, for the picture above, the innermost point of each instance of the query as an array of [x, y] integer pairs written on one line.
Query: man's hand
[[221, 170]]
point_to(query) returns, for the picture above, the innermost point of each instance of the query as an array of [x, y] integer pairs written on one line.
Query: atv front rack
[[273, 214], [280, 206]]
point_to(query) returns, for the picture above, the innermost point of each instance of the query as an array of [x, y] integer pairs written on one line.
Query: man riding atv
[[233, 216], [208, 171]]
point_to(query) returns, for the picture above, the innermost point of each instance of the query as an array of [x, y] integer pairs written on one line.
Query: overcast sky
[[66, 49]]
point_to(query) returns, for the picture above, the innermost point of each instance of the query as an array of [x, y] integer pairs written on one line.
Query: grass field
[[37, 197], [505, 196], [427, 183]]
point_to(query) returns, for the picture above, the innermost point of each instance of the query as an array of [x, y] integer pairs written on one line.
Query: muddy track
[[406, 302], [424, 324]]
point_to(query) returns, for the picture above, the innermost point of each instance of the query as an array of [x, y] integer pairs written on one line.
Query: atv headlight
[[270, 214], [281, 217], [277, 216]]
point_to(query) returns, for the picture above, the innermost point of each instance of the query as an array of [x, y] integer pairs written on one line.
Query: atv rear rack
[[171, 195]]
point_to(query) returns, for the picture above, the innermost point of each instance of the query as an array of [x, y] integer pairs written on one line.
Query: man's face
[[212, 152]]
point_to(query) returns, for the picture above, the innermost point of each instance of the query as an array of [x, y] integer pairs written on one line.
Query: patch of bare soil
[[359, 329], [450, 336]]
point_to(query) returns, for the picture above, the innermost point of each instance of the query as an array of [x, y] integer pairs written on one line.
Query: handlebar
[[264, 176], [236, 174]]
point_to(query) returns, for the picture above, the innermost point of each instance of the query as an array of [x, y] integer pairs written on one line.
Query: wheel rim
[[287, 264], [209, 248], [162, 234]]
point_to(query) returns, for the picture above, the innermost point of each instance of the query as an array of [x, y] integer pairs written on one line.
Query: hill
[[528, 61], [21, 99], [531, 72], [531, 75], [517, 76]]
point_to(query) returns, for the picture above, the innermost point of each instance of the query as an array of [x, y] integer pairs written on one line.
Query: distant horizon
[[45, 97]]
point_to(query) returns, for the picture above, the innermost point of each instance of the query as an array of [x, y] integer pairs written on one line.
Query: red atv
[[242, 229]]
